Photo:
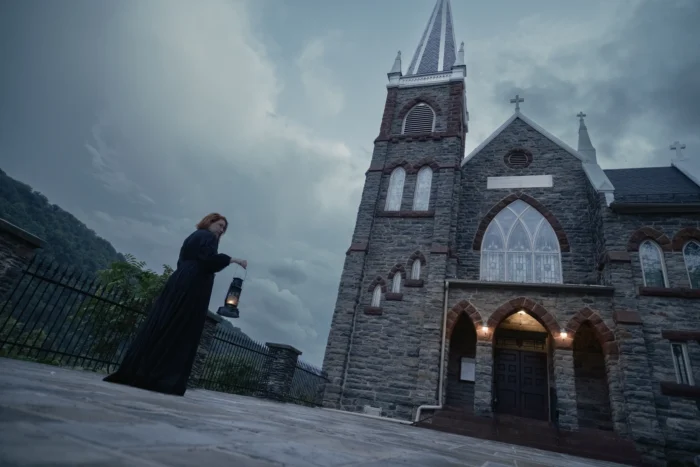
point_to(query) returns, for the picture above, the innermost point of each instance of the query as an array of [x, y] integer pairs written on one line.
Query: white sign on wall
[[522, 181], [467, 369]]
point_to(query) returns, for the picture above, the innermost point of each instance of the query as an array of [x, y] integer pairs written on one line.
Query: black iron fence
[[60, 316]]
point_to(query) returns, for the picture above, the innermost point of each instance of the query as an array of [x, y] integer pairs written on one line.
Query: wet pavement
[[51, 416]]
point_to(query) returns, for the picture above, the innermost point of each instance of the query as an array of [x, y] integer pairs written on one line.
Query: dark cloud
[[288, 273]]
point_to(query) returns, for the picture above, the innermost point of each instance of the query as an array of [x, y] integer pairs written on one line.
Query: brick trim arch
[[417, 255], [404, 163], [501, 205], [463, 307], [413, 102], [683, 236], [605, 336], [427, 161], [522, 303], [397, 269], [377, 281], [648, 233]]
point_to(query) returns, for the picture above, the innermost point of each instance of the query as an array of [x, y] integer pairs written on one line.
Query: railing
[[58, 316], [235, 364]]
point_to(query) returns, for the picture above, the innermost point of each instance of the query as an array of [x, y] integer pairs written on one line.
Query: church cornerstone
[[210, 324], [17, 248], [283, 364]]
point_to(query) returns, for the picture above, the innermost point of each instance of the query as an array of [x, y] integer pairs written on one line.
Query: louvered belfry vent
[[518, 158], [420, 120]]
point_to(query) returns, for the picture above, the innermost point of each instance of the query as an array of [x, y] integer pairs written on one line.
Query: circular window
[[518, 158]]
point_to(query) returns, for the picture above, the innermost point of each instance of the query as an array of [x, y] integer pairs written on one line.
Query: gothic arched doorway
[[522, 367], [592, 394], [461, 365]]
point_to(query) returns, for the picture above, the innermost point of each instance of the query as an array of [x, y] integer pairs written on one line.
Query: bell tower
[[384, 344]]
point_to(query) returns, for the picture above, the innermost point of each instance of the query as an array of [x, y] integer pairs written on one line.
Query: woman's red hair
[[209, 219]]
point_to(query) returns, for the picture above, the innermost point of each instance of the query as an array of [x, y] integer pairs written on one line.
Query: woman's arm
[[208, 257]]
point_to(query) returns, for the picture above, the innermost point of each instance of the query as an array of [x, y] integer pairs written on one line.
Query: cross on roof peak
[[517, 100], [678, 147], [581, 115]]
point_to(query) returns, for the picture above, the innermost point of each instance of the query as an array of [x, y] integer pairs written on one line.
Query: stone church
[[522, 284]]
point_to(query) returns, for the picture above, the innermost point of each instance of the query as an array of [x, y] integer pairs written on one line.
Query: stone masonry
[[388, 356], [17, 248]]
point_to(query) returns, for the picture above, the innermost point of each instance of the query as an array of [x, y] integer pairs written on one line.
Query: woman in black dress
[[161, 356]]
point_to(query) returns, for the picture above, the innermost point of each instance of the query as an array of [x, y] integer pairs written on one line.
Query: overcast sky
[[139, 117]]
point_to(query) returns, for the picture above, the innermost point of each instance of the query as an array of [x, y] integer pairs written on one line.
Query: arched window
[[421, 197], [419, 120], [396, 283], [415, 269], [394, 194], [691, 254], [653, 268], [520, 246], [377, 296]]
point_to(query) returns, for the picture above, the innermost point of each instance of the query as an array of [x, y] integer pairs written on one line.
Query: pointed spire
[[460, 56], [436, 49], [585, 147], [397, 64]]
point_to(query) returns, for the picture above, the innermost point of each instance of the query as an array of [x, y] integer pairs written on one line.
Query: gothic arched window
[[653, 267], [691, 254], [419, 120], [520, 246], [415, 269], [396, 283], [377, 296], [394, 194], [421, 197]]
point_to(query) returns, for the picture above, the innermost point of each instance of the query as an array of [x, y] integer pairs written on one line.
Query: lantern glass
[[230, 308]]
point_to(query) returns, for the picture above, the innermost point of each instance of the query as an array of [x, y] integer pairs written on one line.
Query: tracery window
[[653, 268], [681, 363], [419, 120], [395, 192], [520, 246], [691, 255], [415, 269], [377, 296], [424, 181], [396, 283]]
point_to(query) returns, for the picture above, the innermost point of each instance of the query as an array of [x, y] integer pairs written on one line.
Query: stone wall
[[462, 343], [362, 340], [565, 201], [592, 394], [666, 424], [17, 248]]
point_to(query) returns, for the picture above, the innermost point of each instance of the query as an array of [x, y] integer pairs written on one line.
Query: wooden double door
[[521, 384]]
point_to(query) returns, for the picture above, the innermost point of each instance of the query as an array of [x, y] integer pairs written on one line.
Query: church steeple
[[436, 50], [585, 147]]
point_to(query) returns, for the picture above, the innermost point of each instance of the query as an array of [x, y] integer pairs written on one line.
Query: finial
[[581, 116], [678, 147], [397, 64], [459, 60], [517, 100], [461, 47]]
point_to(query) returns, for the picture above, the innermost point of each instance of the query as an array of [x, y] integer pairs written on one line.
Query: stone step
[[590, 443]]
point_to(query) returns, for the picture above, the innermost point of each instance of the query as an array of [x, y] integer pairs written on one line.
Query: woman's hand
[[241, 262]]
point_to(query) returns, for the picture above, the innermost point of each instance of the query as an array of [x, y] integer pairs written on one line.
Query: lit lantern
[[230, 308]]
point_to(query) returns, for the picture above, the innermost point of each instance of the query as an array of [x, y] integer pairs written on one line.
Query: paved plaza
[[51, 416]]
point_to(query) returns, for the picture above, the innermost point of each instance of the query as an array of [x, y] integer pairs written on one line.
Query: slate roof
[[438, 36], [653, 185]]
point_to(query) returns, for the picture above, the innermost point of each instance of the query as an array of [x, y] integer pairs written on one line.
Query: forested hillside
[[68, 241]]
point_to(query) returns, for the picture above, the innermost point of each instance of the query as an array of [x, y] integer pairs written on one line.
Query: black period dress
[[161, 356]]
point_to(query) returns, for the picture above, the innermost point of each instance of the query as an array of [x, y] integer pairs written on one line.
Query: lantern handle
[[245, 274]]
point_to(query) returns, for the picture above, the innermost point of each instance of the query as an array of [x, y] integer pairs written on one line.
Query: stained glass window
[[377, 296], [520, 246], [691, 254], [681, 363], [395, 192], [652, 260], [421, 197]]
